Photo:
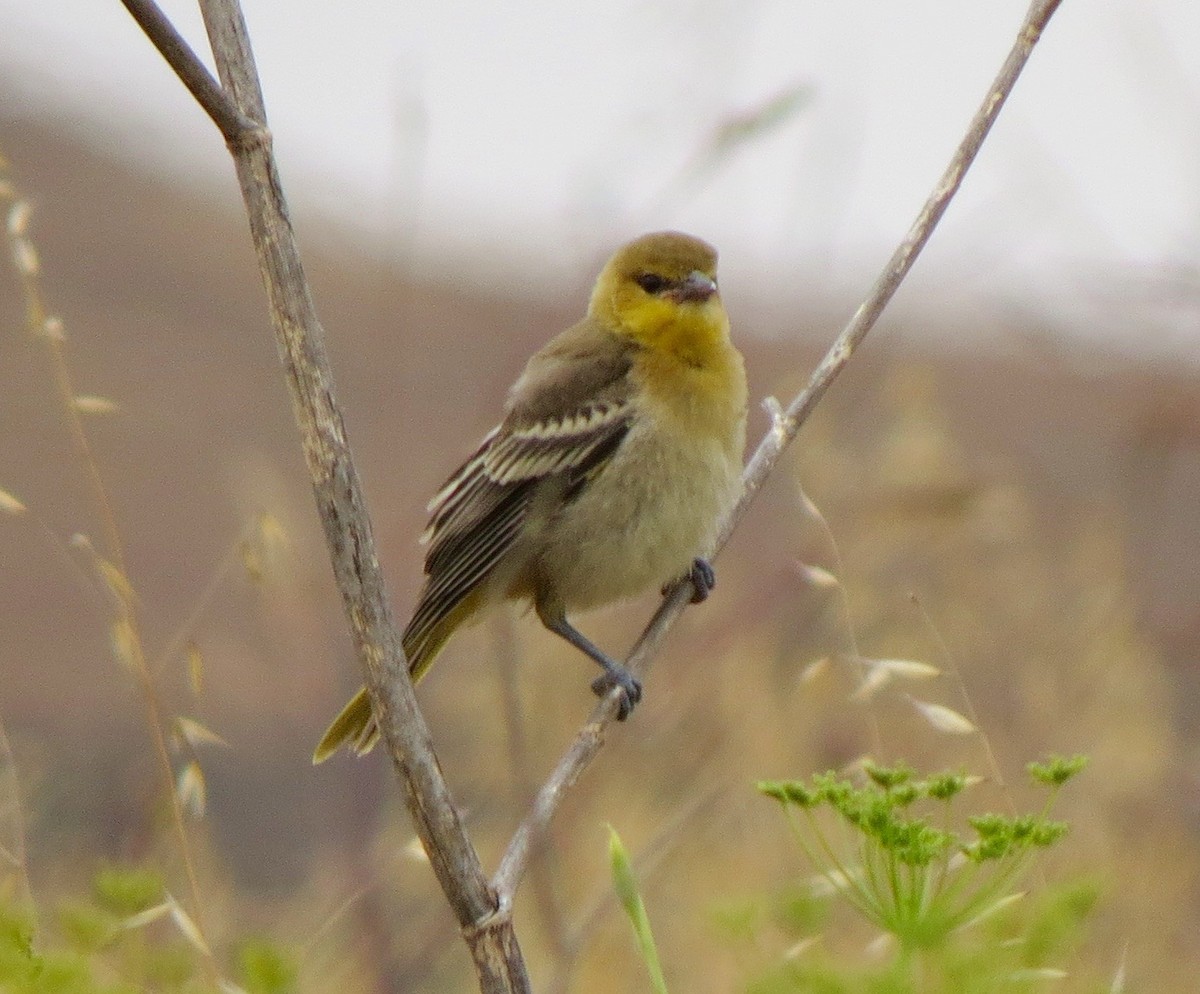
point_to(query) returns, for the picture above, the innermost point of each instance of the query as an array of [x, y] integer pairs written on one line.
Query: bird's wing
[[497, 480], [479, 513]]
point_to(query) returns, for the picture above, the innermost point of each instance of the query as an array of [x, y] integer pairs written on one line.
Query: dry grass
[[1022, 606]]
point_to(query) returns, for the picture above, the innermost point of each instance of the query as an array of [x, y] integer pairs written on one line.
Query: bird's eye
[[651, 282]]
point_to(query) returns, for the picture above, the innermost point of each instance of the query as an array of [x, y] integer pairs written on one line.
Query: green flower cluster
[[903, 864]]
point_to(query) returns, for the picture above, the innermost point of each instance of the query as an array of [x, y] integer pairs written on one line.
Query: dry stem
[[786, 424], [236, 107], [111, 566]]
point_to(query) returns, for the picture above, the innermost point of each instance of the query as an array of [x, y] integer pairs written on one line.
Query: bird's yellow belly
[[640, 522]]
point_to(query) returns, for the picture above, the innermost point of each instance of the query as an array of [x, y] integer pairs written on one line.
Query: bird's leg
[[615, 675], [700, 576]]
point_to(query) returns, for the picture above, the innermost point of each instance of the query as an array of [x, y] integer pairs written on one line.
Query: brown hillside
[[1046, 495]]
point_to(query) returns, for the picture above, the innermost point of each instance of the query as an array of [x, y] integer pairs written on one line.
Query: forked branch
[[235, 105]]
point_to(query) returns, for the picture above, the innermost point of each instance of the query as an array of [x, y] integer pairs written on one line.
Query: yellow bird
[[620, 448]]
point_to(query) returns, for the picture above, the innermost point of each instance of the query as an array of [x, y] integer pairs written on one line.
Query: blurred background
[[1005, 483]]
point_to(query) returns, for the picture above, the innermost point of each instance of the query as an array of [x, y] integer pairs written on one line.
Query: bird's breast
[[652, 508]]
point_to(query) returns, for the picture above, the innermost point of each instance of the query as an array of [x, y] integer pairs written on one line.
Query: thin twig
[[860, 669], [125, 627], [950, 665], [786, 424], [191, 71], [203, 601]]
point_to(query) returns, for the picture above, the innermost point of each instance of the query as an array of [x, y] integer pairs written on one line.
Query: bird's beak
[[697, 287]]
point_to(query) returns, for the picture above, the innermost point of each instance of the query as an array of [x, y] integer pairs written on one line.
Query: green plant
[[625, 885], [128, 935], [890, 848]]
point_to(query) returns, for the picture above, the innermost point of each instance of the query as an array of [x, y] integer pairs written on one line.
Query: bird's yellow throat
[[695, 334]]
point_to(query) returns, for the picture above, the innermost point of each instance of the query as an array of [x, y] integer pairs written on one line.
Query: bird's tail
[[355, 727]]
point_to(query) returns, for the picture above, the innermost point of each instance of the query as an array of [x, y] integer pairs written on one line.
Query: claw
[[700, 576], [703, 579], [630, 687]]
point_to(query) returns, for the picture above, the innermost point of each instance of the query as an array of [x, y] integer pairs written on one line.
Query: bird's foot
[[630, 686], [703, 580], [700, 576]]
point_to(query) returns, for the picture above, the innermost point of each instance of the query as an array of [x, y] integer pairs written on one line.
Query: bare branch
[[190, 70], [786, 424], [336, 488]]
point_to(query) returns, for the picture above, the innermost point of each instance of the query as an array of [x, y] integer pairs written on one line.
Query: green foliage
[[1057, 770], [85, 927], [126, 937], [18, 964], [126, 891], [739, 920], [798, 911], [25, 971], [1004, 953], [943, 897], [265, 969]]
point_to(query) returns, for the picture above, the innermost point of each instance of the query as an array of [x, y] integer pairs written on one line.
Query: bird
[[619, 450]]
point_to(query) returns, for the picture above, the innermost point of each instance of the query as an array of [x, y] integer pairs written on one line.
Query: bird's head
[[661, 291]]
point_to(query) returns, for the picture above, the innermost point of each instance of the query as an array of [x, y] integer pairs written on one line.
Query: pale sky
[[534, 136]]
